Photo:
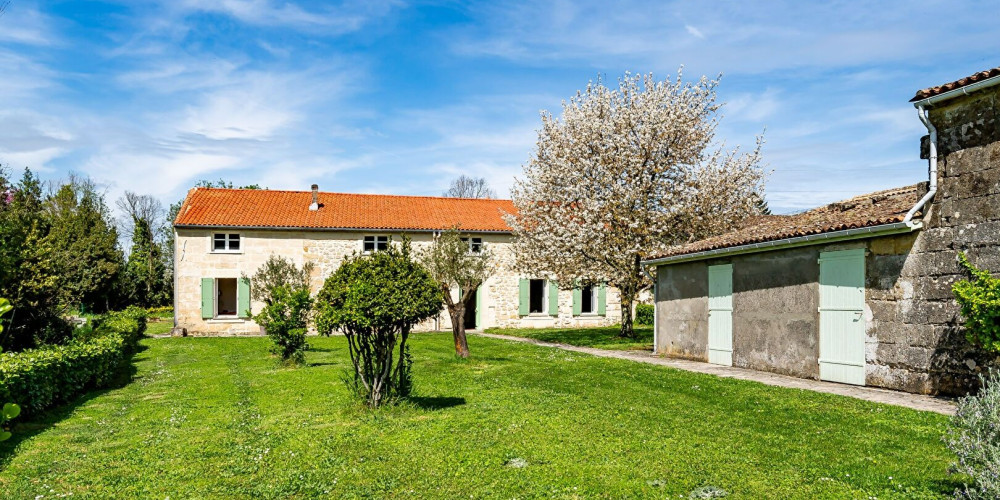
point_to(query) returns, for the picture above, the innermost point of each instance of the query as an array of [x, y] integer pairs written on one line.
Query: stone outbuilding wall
[[194, 261], [921, 341], [915, 341]]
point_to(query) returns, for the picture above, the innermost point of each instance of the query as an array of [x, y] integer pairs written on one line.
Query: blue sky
[[399, 97]]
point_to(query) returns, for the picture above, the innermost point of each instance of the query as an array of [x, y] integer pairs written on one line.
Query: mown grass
[[605, 337], [218, 418]]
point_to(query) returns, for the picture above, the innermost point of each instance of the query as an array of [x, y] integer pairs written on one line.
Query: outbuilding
[[858, 291]]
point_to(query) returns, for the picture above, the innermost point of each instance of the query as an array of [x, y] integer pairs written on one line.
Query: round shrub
[[375, 300], [644, 314]]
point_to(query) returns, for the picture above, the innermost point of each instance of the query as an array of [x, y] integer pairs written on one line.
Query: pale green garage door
[[720, 314], [841, 316]]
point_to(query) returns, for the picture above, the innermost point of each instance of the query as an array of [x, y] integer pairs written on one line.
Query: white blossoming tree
[[624, 174]]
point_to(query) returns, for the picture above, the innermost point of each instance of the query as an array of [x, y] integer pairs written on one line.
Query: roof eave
[[798, 241], [333, 229], [960, 91]]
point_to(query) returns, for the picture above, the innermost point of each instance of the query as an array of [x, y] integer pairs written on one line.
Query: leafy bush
[[40, 378], [278, 272], [644, 314], [375, 300], [285, 321], [974, 436], [979, 298], [284, 290], [9, 412]]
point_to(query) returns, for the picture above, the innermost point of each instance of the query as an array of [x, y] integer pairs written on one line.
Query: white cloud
[[347, 17], [694, 31]]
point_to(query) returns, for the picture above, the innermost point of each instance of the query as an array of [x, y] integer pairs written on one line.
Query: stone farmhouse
[[858, 291], [222, 236]]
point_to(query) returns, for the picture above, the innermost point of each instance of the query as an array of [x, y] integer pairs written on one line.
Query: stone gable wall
[[919, 343]]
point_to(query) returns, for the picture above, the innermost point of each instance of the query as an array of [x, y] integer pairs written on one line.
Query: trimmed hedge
[[37, 379], [644, 314]]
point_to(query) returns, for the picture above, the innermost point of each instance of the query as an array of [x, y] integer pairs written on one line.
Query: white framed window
[[226, 243], [538, 299], [375, 244], [588, 300], [475, 244]]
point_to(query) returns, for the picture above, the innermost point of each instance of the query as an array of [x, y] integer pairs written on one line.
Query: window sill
[[589, 316], [226, 319], [538, 316], [224, 252]]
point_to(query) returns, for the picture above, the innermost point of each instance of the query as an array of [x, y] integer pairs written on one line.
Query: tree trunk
[[627, 330], [458, 332]]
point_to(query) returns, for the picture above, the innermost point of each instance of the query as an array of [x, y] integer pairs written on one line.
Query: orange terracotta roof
[[210, 207], [874, 209], [957, 84]]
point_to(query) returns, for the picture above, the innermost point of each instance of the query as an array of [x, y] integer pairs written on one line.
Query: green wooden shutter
[[243, 297], [207, 298], [522, 297], [577, 300], [553, 298], [602, 300], [479, 307]]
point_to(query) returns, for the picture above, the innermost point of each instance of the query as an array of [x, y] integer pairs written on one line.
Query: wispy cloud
[[694, 31]]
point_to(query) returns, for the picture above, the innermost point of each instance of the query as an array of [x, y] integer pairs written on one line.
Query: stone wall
[[327, 250], [914, 336], [682, 310], [921, 345]]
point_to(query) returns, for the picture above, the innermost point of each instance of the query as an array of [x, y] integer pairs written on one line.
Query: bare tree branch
[[469, 187]]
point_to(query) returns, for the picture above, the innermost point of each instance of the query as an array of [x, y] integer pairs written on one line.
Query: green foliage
[[286, 320], [58, 254], [83, 245], [28, 270], [40, 378], [979, 298], [9, 412], [644, 314], [146, 268], [375, 300], [974, 437], [284, 290], [277, 273]]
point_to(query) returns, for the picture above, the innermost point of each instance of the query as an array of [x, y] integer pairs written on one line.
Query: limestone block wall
[[327, 250], [921, 345]]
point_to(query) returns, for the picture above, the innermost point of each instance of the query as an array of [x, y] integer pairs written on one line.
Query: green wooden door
[[720, 314], [841, 316]]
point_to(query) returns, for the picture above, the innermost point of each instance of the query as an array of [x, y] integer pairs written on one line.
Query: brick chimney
[[315, 203]]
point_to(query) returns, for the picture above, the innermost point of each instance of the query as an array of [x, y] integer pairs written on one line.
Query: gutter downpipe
[[922, 106], [931, 166]]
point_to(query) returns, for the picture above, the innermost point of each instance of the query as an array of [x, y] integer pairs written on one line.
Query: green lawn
[[217, 418], [601, 338]]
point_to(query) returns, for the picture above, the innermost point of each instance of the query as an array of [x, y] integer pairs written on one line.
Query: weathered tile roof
[[957, 84], [212, 207], [874, 209]]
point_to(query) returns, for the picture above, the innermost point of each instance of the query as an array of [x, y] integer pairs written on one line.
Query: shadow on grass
[[585, 337], [28, 426], [436, 402]]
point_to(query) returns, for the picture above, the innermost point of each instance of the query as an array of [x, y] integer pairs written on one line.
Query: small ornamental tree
[[284, 290], [624, 174], [979, 298], [456, 264], [375, 300]]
